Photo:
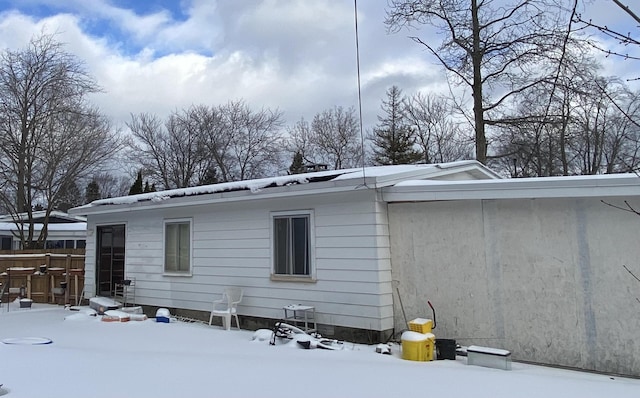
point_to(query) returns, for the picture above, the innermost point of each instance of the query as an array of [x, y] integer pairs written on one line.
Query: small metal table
[[301, 316]]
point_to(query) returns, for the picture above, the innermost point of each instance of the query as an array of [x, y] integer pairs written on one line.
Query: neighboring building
[[65, 231], [529, 265]]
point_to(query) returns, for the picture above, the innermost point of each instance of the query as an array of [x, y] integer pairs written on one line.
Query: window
[[81, 244], [6, 243], [54, 244], [177, 246], [292, 244]]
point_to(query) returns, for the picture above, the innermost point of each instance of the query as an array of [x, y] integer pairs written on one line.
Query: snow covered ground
[[91, 358]]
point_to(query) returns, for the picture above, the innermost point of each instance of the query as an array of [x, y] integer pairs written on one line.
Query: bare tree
[[150, 147], [254, 141], [203, 144], [50, 136], [111, 185], [587, 125], [494, 48], [170, 153], [624, 38], [300, 140], [604, 132], [335, 136], [437, 132], [332, 138], [185, 132]]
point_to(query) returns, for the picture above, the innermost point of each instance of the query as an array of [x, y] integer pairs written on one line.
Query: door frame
[[110, 259]]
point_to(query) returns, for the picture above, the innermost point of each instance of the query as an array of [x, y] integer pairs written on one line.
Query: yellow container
[[418, 346], [421, 325]]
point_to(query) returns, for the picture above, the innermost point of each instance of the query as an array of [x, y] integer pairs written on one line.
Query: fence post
[[50, 279], [66, 278]]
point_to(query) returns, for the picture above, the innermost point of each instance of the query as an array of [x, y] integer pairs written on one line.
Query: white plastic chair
[[227, 307]]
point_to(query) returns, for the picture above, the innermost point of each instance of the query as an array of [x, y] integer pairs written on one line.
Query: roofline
[[443, 169], [181, 197], [231, 197], [610, 185]]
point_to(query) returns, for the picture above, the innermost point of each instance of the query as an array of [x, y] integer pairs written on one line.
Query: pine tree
[[136, 188], [393, 140], [210, 176], [92, 192], [297, 166]]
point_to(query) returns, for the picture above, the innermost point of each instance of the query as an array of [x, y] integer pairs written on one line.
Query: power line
[[355, 9]]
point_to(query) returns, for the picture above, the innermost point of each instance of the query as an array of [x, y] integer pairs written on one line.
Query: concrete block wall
[[543, 278]]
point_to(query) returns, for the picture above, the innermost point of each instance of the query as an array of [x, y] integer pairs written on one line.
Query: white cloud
[[295, 55]]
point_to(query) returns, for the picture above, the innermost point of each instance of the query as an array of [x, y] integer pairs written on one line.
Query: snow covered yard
[[90, 358]]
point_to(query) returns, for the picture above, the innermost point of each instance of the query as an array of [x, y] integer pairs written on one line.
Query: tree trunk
[[478, 111]]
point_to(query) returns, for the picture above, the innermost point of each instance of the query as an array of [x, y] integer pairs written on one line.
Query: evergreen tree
[[297, 166], [146, 187], [393, 140], [136, 188], [209, 177], [92, 192]]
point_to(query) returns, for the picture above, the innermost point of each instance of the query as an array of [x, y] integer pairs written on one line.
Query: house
[[64, 231], [314, 238], [534, 266]]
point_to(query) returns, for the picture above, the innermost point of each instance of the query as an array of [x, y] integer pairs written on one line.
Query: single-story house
[[535, 266], [64, 231]]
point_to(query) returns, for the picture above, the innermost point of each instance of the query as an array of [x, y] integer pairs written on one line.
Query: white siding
[[231, 246]]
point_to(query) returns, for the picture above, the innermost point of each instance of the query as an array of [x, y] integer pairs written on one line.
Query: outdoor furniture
[[301, 316], [227, 307], [125, 291]]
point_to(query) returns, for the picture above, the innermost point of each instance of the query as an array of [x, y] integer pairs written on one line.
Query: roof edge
[[517, 188]]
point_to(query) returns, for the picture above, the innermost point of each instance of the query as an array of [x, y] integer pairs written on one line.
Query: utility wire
[[355, 9]]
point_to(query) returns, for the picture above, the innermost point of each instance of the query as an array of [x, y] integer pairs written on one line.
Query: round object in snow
[[27, 340], [262, 334], [163, 312]]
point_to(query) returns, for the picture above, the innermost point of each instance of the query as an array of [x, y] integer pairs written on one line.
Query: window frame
[[309, 214], [177, 221]]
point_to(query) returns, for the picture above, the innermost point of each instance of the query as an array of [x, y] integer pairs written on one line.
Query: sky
[[296, 56], [87, 357]]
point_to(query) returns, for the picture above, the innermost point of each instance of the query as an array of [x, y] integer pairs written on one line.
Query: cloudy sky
[[298, 56]]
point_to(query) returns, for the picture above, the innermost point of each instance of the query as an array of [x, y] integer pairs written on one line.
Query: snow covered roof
[[60, 227], [300, 184], [55, 216], [608, 185]]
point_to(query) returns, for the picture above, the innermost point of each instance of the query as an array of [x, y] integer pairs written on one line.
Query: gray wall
[[543, 278]]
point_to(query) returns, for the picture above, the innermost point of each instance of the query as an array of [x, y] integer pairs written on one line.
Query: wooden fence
[[43, 276]]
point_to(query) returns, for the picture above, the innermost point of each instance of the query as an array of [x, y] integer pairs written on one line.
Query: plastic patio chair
[[227, 307]]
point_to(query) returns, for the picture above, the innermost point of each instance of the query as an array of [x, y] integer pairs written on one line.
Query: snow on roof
[[256, 185], [37, 215], [73, 226]]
